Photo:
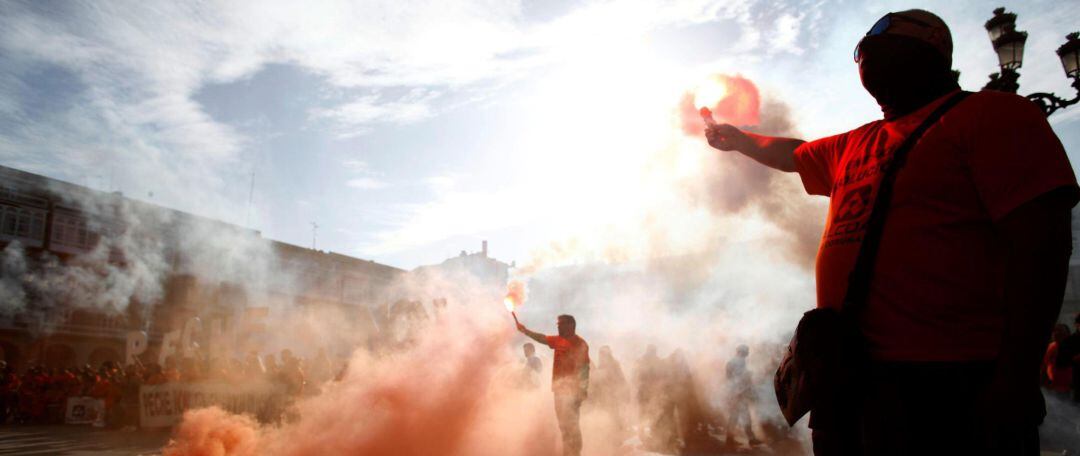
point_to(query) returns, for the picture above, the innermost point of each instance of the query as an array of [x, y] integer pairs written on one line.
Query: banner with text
[[84, 410], [163, 405]]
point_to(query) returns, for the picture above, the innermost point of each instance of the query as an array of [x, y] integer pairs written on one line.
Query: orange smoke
[[443, 396], [732, 99], [214, 432]]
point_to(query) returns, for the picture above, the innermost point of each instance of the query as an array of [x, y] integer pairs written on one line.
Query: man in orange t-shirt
[[569, 378], [971, 264]]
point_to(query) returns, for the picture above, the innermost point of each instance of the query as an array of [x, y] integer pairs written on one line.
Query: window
[[23, 224], [21, 197], [70, 233]]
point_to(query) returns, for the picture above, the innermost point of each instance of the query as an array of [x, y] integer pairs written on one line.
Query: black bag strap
[[858, 291]]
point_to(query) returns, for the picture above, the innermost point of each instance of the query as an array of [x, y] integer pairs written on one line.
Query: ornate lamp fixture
[[1009, 46]]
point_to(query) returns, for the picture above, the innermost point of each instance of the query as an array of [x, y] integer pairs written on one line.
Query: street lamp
[[1069, 53], [1007, 41], [1009, 46]]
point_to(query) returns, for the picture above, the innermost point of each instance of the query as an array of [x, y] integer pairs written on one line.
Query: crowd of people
[[660, 402], [679, 413], [668, 409], [39, 395]]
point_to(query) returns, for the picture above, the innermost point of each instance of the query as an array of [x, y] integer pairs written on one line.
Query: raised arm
[[772, 151], [532, 334]]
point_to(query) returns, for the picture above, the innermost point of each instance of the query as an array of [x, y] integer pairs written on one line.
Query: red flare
[[730, 99], [515, 295]]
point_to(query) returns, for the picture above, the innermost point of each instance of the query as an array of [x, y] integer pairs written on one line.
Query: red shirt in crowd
[[936, 293], [569, 371], [1058, 374]]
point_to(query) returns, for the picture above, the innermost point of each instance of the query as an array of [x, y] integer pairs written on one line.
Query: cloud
[[442, 182], [450, 214], [589, 175], [367, 178], [141, 63], [786, 34], [384, 62], [357, 117], [355, 165], [366, 183]]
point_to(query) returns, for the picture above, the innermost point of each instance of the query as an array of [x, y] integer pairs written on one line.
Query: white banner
[[84, 410], [163, 405]]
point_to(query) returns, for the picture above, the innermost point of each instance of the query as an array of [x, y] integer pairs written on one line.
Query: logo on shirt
[[864, 166], [850, 221], [853, 191], [855, 203]]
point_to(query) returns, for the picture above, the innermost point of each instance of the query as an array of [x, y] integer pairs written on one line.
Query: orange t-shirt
[[571, 358], [936, 292]]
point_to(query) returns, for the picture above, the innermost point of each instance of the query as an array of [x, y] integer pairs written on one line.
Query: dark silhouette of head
[[905, 61], [529, 349], [567, 325], [742, 351]]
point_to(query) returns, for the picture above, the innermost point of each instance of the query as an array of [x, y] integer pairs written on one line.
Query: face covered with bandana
[[901, 66]]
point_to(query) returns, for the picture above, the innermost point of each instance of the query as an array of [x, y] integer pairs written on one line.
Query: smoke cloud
[[717, 257], [129, 252], [123, 266], [454, 392], [730, 184], [702, 199]]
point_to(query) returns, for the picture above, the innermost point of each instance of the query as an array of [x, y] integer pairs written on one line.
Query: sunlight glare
[[709, 93]]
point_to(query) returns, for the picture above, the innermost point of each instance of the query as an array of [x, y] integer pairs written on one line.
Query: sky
[[409, 130]]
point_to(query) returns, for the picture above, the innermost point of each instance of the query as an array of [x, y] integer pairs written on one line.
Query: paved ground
[[1061, 431], [78, 440]]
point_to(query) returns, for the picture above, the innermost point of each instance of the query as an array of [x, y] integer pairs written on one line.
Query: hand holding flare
[[721, 136], [736, 101], [510, 305], [706, 115], [710, 93]]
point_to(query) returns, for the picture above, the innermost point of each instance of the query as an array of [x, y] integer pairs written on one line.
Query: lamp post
[[1009, 47]]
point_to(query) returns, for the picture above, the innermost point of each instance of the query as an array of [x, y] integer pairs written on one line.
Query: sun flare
[[709, 93]]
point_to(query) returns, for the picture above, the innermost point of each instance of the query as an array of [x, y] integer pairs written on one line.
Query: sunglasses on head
[[881, 26]]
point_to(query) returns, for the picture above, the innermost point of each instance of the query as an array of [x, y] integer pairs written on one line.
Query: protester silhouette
[[1069, 356], [656, 406], [740, 395], [531, 368], [692, 414], [610, 393], [569, 378], [1057, 366], [971, 262], [532, 362]]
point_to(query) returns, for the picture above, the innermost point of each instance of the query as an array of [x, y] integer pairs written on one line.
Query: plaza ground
[[78, 440]]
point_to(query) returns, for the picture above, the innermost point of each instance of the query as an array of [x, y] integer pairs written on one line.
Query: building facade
[[81, 269]]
